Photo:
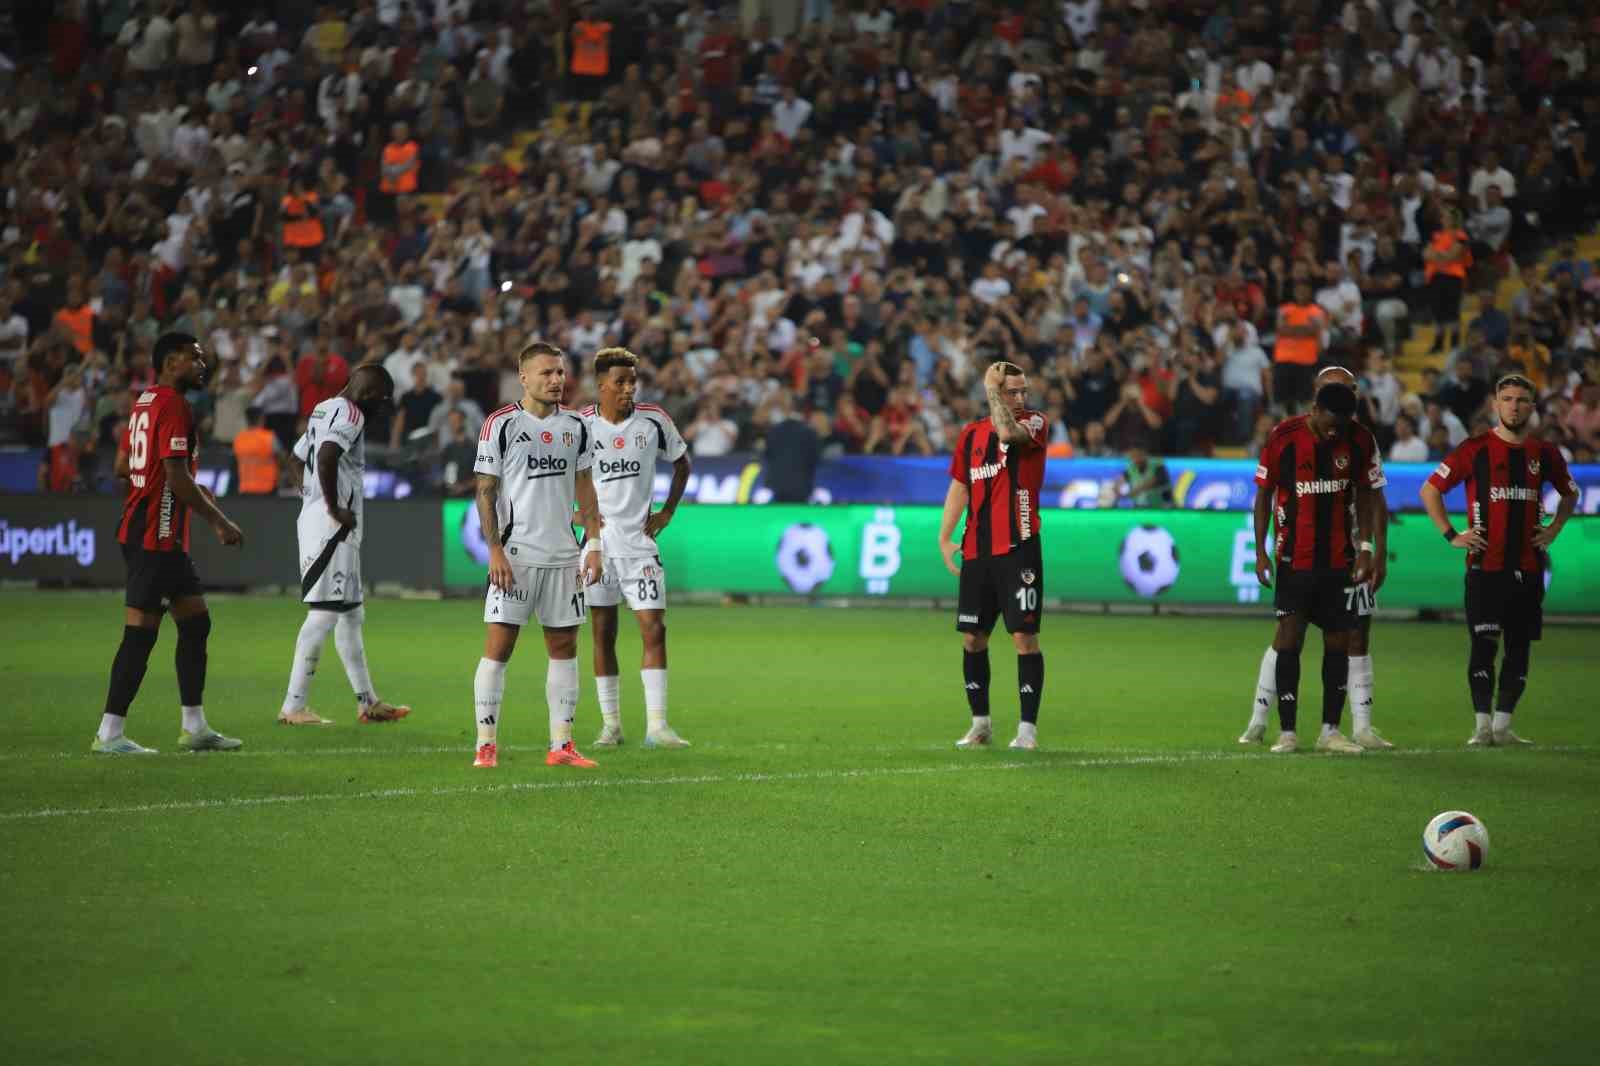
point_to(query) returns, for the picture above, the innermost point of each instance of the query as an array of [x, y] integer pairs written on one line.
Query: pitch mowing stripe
[[246, 802]]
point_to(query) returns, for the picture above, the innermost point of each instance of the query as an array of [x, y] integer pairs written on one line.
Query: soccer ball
[[1149, 560], [1455, 840], [805, 557]]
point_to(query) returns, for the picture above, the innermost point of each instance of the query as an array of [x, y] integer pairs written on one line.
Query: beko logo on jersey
[[986, 471], [620, 468], [546, 465], [64, 539], [1321, 486], [1497, 494]]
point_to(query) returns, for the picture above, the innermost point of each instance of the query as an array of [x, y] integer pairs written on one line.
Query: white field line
[[576, 784]]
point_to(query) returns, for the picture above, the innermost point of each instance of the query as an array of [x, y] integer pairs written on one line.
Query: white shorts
[[551, 595], [641, 580], [330, 565]]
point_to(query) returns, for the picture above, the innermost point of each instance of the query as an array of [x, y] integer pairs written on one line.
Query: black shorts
[[1506, 601], [1327, 601], [1011, 585], [154, 577]]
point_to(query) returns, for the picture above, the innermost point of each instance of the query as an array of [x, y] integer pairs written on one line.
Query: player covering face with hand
[[1364, 600], [629, 440], [996, 475], [333, 454], [534, 460]]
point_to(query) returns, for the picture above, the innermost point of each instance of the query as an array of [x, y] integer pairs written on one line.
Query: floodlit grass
[[820, 879]]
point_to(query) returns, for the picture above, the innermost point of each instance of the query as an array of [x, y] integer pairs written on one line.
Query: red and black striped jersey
[[1503, 498], [1314, 481], [161, 427], [1003, 485]]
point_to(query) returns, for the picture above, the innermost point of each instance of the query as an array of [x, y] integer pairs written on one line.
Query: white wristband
[[1365, 546], [591, 546]]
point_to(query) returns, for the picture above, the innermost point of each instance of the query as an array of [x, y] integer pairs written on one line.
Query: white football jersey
[[340, 421], [625, 456], [537, 461]]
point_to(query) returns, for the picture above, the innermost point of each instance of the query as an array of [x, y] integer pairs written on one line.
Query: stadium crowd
[[1168, 212]]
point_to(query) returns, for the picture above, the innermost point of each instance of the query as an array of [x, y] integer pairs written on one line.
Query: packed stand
[[1169, 216]]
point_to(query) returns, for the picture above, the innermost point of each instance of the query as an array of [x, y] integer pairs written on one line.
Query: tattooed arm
[[488, 501]]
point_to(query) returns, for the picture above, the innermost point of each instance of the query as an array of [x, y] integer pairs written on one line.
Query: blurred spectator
[[415, 406], [458, 452], [258, 455], [1145, 482], [1300, 327], [1407, 446], [793, 449], [711, 434]]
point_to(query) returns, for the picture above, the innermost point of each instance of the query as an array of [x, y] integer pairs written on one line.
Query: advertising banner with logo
[[1197, 484], [1178, 557]]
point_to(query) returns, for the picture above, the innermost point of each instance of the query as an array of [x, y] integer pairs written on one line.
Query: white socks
[[1361, 691], [1502, 721], [1266, 689], [353, 653], [487, 689], [1328, 729], [1482, 720], [655, 698], [307, 653], [110, 726], [609, 689], [194, 719], [561, 695], [1027, 731]]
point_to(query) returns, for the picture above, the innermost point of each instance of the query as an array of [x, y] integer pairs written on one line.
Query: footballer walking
[[1318, 484], [333, 451], [154, 533], [533, 460], [1507, 550], [996, 475], [629, 440]]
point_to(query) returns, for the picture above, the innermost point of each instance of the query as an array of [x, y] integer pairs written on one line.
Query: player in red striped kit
[[155, 543], [996, 475], [1318, 482], [1507, 549]]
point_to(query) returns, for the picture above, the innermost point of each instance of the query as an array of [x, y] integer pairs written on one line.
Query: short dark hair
[[168, 343], [1515, 381], [607, 359], [377, 370], [1337, 397], [538, 348]]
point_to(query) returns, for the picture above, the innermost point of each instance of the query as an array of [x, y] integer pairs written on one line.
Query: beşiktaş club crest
[[648, 571], [1028, 577], [1533, 467], [638, 441], [566, 439], [1341, 461]]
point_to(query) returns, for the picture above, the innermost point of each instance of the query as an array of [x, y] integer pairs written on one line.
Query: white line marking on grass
[[1121, 760]]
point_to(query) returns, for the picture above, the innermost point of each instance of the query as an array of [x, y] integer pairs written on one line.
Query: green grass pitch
[[820, 879]]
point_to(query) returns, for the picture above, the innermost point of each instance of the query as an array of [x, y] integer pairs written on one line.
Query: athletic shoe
[[1022, 743], [1338, 743], [610, 737], [488, 756], [977, 737], [1254, 734], [1481, 739], [120, 746], [207, 739], [1505, 738], [382, 712], [665, 737], [567, 755], [1287, 744], [1370, 739], [304, 716]]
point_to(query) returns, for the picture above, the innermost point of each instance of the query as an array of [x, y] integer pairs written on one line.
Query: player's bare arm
[[658, 520], [328, 476], [1472, 540], [199, 501], [1365, 509], [1263, 521], [955, 505], [1545, 536], [589, 516], [1380, 538], [1006, 386], [488, 502]]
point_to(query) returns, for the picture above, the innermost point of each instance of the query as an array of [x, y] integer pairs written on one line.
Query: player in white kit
[[333, 456], [629, 439], [533, 461]]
